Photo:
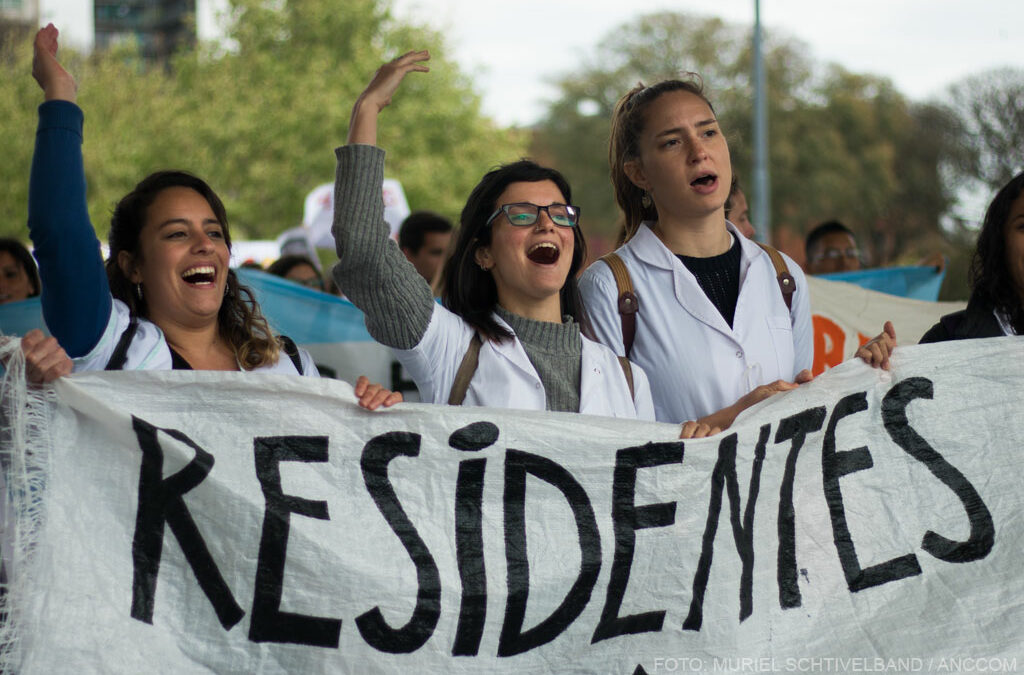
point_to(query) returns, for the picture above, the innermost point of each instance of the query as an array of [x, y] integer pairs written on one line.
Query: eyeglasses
[[312, 282], [524, 214], [836, 253]]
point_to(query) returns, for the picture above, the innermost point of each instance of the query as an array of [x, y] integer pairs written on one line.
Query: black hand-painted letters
[[160, 501], [268, 623]]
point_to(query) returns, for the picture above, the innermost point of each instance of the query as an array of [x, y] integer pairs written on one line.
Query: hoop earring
[[646, 200], [138, 291]]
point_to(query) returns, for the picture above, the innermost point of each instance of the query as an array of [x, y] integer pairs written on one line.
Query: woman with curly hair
[[996, 306], [166, 297]]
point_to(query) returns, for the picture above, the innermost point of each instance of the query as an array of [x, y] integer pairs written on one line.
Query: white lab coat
[[697, 363], [149, 351], [505, 378]]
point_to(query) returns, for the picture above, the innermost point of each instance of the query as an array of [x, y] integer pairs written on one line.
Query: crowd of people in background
[[689, 321]]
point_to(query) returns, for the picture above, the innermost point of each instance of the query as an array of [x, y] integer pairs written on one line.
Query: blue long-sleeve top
[[76, 295]]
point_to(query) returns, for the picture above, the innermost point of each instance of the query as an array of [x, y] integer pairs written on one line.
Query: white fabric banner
[[845, 316], [193, 522]]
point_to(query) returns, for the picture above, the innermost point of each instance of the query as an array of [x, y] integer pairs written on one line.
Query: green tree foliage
[[842, 145], [260, 118], [991, 105], [18, 96]]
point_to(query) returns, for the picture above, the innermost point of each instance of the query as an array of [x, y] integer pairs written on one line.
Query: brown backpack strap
[[627, 370], [628, 303], [786, 282], [466, 371]]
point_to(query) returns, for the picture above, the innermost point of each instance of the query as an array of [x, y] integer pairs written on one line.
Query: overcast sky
[[513, 49]]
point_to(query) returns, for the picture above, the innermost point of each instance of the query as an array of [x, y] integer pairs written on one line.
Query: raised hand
[[387, 78], [56, 83], [377, 95]]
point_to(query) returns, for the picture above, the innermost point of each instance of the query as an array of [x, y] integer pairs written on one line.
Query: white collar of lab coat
[[646, 245], [650, 249], [513, 350]]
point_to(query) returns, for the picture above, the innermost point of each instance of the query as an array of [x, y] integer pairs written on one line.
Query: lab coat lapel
[[513, 352], [687, 291]]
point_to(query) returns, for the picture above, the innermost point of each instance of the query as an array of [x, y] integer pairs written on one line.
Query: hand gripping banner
[[194, 522]]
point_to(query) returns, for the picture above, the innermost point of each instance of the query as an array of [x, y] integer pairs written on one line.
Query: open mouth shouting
[[204, 275], [705, 183], [544, 253]]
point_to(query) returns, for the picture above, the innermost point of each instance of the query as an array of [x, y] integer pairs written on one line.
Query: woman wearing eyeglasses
[[509, 295], [831, 247], [511, 281]]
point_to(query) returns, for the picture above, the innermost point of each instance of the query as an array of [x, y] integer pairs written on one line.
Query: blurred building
[[18, 11], [16, 18], [158, 26]]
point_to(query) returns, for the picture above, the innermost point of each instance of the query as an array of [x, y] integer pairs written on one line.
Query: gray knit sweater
[[397, 302]]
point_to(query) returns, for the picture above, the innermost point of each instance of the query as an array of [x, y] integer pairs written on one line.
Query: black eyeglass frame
[[571, 210]]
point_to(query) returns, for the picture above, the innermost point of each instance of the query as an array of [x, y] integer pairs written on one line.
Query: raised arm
[[362, 127], [76, 297], [375, 274]]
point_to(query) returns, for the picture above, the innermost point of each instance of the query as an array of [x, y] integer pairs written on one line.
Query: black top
[[719, 278], [977, 321]]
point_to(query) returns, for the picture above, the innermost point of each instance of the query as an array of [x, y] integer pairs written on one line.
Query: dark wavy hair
[[283, 265], [240, 321], [992, 284], [471, 292], [628, 122], [18, 251], [412, 234]]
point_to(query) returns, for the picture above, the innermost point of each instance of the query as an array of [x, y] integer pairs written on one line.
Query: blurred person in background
[[424, 238], [996, 305], [19, 278], [298, 268], [738, 212], [832, 247]]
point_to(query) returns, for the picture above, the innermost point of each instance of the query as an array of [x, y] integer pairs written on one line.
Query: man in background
[[832, 247], [424, 237]]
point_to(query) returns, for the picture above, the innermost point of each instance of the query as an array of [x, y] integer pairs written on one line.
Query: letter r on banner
[[160, 501]]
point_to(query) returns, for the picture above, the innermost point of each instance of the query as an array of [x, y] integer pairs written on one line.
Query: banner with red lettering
[[845, 316], [186, 522]]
